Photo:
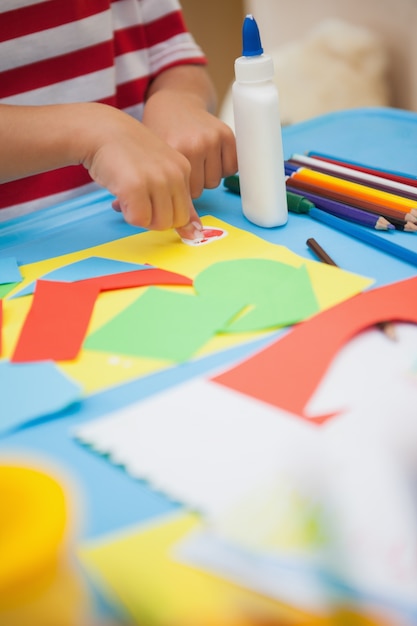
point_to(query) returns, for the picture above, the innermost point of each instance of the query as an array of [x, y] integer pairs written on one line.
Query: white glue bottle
[[258, 133]]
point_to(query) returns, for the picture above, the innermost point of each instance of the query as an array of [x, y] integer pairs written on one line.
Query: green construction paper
[[4, 289], [163, 324], [271, 294]]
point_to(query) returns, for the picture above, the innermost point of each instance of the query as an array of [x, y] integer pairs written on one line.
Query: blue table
[[384, 138]]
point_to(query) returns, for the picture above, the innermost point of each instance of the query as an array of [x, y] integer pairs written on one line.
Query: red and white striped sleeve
[[55, 51]]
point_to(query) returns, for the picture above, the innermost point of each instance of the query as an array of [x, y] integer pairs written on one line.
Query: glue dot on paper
[[213, 232], [114, 360], [126, 363], [209, 235]]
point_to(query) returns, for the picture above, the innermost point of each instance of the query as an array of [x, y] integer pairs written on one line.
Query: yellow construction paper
[[139, 569], [98, 370], [166, 250]]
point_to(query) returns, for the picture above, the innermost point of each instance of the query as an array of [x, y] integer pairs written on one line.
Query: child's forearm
[[35, 139], [193, 80]]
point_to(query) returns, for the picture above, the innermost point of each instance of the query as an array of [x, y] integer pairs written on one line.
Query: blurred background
[[328, 54]]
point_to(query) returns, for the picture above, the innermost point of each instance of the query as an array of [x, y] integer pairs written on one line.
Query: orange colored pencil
[[355, 190]]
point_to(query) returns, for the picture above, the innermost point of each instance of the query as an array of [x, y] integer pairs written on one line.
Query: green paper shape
[[6, 288], [272, 294], [162, 324]]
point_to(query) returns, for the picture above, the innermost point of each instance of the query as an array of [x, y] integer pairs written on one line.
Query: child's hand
[[182, 120], [151, 180]]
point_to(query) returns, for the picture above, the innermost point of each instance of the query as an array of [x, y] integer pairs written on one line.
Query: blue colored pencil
[[290, 168], [345, 211], [367, 236]]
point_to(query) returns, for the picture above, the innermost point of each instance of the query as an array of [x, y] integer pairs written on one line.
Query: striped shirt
[[62, 51]]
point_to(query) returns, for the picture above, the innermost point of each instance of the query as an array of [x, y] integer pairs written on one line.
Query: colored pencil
[[406, 226], [345, 211], [347, 173], [319, 252], [367, 236], [359, 203], [355, 190], [387, 327], [400, 177]]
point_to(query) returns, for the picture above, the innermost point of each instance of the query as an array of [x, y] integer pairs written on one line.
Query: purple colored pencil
[[345, 211]]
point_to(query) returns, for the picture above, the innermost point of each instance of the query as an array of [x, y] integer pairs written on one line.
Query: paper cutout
[[277, 294], [216, 443], [7, 288], [138, 278], [139, 568], [209, 235], [57, 321], [33, 390], [9, 271], [84, 269], [286, 373], [163, 325]]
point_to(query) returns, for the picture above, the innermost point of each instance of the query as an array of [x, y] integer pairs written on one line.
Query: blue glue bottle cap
[[251, 38], [253, 66]]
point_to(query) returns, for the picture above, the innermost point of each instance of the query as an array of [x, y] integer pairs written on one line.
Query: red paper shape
[[138, 278], [286, 373], [57, 321]]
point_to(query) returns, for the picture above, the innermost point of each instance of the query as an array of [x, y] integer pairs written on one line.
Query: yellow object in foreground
[[39, 585]]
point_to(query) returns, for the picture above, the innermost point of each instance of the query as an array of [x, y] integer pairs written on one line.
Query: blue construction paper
[[9, 271], [92, 267], [30, 391]]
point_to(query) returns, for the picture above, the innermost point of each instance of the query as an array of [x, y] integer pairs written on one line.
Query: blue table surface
[[385, 138]]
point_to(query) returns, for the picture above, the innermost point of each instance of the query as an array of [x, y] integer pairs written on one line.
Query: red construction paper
[[57, 321], [138, 278], [286, 373]]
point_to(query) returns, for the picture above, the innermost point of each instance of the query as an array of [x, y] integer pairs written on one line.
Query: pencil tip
[[388, 328], [383, 224]]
